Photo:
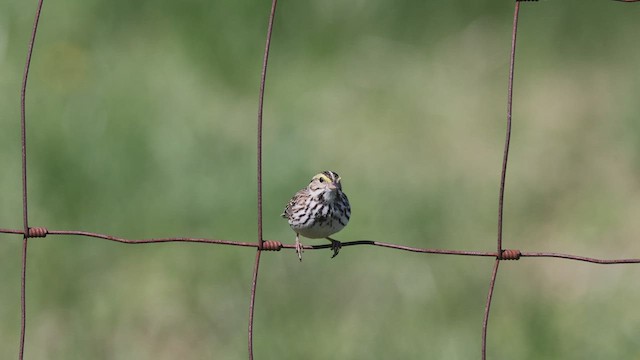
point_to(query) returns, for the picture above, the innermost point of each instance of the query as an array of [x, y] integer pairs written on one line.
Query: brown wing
[[296, 201]]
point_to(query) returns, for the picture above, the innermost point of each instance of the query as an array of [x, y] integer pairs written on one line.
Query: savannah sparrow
[[319, 210]]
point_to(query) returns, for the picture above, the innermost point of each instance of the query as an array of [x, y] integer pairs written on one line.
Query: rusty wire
[[503, 176], [256, 265], [25, 215], [273, 245]]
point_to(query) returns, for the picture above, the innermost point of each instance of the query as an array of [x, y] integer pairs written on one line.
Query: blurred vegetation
[[141, 123]]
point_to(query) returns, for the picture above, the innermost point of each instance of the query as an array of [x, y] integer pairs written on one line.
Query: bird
[[319, 210]]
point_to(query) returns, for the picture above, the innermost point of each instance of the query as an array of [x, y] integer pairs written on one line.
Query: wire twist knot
[[271, 245], [510, 254], [36, 232]]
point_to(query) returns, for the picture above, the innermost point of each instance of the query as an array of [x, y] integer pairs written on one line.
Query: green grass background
[[141, 123]]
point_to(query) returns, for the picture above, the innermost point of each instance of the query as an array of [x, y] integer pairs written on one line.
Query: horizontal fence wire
[[275, 245], [261, 244]]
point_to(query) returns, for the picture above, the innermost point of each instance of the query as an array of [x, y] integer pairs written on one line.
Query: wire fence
[[261, 245]]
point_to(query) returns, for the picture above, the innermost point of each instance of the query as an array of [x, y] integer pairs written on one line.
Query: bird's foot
[[299, 248], [335, 246]]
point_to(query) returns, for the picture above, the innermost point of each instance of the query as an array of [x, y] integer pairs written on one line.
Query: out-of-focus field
[[141, 123]]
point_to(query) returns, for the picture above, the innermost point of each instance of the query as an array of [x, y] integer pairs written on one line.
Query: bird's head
[[325, 184]]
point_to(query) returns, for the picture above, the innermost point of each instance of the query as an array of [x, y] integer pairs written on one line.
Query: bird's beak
[[332, 186]]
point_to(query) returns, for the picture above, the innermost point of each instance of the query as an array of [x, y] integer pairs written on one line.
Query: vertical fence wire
[[507, 140], [256, 266], [487, 308], [503, 175], [25, 214]]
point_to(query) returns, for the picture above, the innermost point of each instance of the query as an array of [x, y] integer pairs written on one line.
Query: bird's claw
[[335, 246], [299, 248]]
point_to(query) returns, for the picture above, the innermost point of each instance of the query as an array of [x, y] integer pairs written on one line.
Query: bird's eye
[[321, 180]]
